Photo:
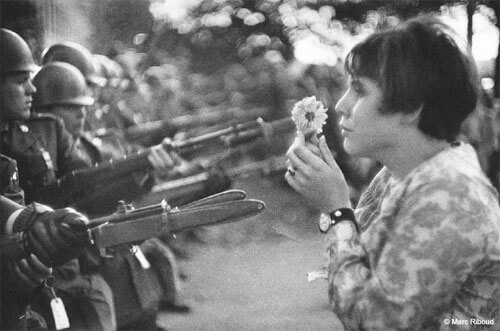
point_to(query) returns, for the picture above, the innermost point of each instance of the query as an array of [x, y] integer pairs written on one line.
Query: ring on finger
[[291, 171]]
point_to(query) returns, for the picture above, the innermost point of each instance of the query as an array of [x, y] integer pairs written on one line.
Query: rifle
[[65, 191], [193, 186], [151, 133], [129, 226]]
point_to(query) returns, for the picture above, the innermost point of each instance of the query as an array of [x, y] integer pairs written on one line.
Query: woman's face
[[366, 131], [73, 117]]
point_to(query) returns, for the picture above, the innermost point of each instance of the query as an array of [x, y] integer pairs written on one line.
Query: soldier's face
[[73, 117], [16, 95]]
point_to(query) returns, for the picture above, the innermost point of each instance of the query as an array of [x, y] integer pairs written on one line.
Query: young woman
[[422, 248]]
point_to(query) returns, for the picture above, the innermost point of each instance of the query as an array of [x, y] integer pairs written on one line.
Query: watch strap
[[340, 215]]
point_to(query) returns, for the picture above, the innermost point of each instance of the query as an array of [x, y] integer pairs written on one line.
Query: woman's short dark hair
[[419, 64]]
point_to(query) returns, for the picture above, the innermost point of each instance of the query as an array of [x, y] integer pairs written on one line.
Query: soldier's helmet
[[15, 54], [78, 56], [60, 84]]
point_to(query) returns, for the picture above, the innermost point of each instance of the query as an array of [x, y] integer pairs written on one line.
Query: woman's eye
[[358, 90]]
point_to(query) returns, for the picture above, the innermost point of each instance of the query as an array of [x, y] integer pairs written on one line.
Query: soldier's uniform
[[137, 288], [102, 199], [44, 151], [9, 180]]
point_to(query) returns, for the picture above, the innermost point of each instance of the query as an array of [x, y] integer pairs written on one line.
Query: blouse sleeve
[[428, 247]]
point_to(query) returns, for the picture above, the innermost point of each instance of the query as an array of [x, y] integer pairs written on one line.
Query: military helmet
[[76, 55], [15, 53], [59, 84]]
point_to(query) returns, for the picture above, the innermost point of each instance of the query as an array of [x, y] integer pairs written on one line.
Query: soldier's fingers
[[42, 242], [175, 158], [160, 159], [37, 247], [153, 160], [38, 267], [26, 274]]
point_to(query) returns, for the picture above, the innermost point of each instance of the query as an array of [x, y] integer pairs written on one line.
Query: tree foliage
[[218, 32]]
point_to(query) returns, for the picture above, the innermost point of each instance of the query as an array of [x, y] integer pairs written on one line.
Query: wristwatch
[[326, 221]]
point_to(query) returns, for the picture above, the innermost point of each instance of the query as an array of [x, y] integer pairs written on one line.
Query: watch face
[[324, 222]]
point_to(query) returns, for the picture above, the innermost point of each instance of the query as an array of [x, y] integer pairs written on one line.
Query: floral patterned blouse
[[428, 256]]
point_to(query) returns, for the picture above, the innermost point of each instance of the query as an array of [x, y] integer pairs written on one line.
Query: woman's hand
[[314, 174]]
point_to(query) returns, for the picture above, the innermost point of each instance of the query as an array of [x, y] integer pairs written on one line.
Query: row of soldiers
[[43, 134]]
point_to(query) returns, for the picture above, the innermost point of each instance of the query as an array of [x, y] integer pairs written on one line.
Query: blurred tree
[[22, 17], [118, 22]]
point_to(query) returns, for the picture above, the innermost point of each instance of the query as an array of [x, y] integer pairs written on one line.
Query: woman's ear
[[413, 117]]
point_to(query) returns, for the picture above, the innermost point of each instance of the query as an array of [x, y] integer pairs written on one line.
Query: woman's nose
[[343, 106]]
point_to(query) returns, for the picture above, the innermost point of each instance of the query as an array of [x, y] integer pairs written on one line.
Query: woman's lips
[[345, 131]]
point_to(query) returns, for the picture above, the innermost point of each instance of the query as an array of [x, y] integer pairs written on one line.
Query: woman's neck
[[411, 151]]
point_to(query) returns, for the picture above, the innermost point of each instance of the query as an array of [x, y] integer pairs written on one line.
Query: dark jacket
[[44, 152], [9, 180]]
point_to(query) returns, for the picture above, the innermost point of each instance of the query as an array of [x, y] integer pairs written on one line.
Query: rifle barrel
[[62, 193]]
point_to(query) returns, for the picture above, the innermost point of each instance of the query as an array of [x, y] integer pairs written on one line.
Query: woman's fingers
[[326, 153]]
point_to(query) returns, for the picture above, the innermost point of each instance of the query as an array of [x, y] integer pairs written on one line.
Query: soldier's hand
[[218, 181], [28, 273], [161, 160], [56, 237]]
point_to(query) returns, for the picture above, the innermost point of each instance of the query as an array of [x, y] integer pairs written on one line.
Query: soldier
[[80, 57], [20, 276], [44, 151], [61, 91], [51, 237]]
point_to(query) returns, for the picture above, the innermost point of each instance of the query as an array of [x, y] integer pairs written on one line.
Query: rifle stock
[[65, 191]]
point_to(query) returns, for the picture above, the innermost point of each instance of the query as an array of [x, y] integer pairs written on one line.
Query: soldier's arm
[[26, 273], [68, 157], [54, 236], [9, 178]]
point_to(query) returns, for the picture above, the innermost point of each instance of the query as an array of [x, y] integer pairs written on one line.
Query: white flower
[[309, 114]]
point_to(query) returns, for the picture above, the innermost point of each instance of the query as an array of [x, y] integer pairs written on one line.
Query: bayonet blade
[[136, 230], [223, 212], [226, 196]]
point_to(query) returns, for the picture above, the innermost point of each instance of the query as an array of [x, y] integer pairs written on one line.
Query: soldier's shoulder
[[44, 121], [37, 117], [7, 165], [5, 158]]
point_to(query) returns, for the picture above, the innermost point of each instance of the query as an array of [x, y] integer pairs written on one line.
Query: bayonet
[[136, 225], [156, 221]]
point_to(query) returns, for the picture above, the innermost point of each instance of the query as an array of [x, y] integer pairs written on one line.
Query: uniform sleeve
[[427, 249], [69, 158], [9, 182]]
